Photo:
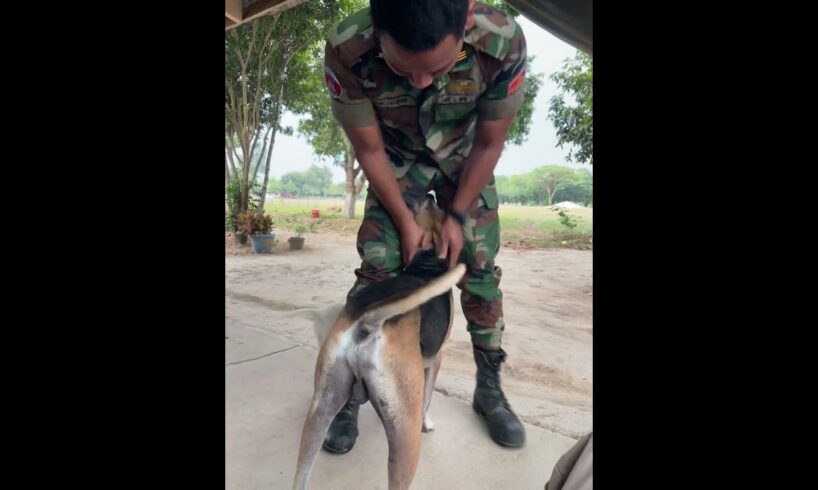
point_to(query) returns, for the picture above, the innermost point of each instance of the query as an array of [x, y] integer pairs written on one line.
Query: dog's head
[[430, 218]]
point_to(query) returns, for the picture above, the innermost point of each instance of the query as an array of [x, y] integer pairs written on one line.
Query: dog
[[385, 346]]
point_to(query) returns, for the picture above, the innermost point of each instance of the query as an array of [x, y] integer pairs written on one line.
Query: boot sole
[[501, 443], [336, 451]]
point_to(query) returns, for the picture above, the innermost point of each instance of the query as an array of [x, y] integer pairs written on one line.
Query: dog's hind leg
[[396, 392], [333, 388]]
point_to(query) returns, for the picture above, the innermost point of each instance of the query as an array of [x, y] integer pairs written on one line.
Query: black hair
[[419, 25]]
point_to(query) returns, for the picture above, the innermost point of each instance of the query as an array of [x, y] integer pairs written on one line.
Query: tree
[[518, 132], [273, 186], [547, 185], [250, 56], [501, 183], [314, 181], [260, 59], [521, 188], [317, 180], [578, 187], [337, 189], [575, 122], [326, 136], [549, 178], [516, 188]]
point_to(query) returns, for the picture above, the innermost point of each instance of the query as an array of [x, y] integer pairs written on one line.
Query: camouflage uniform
[[428, 134]]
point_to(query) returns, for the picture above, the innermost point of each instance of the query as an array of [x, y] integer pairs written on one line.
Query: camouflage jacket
[[436, 123]]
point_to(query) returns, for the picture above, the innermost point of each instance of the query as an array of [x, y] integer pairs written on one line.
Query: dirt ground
[[547, 296]]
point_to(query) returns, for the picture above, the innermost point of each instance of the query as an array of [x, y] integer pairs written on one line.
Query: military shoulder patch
[[334, 86], [514, 85]]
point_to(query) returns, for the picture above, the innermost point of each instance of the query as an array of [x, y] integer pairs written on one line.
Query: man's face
[[421, 67]]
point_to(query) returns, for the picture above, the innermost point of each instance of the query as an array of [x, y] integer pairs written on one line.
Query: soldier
[[426, 91]]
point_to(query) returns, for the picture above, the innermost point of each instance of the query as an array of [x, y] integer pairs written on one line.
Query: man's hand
[[369, 151], [411, 238], [477, 173], [451, 237]]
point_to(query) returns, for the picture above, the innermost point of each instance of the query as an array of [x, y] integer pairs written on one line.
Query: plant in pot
[[233, 219], [260, 228], [297, 242]]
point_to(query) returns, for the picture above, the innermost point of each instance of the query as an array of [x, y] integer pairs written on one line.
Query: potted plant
[[260, 228], [297, 242]]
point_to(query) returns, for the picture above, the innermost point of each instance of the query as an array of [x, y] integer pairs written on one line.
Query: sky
[[293, 153]]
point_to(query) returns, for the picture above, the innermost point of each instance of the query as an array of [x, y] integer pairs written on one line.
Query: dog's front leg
[[430, 375]]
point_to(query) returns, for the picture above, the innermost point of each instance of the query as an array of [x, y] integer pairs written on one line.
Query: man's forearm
[[477, 173], [479, 167], [383, 182], [371, 155]]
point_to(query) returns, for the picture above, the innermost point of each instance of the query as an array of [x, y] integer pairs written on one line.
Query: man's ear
[[470, 16]]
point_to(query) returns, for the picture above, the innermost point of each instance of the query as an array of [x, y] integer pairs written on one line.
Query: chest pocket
[[458, 98], [397, 111], [453, 111]]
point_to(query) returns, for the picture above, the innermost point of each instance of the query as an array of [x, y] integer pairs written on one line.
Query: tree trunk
[[274, 129], [349, 191], [264, 147], [360, 183], [226, 173], [244, 129], [550, 194], [228, 154], [244, 107]]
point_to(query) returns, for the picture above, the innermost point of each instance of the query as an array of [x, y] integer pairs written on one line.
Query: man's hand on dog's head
[[412, 239], [451, 237]]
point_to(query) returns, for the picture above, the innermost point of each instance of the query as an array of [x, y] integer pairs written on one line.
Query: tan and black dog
[[385, 346]]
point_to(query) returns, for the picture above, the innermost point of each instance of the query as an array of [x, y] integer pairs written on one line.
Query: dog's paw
[[428, 424]]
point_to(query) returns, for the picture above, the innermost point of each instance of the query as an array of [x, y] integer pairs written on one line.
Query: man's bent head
[[421, 39]]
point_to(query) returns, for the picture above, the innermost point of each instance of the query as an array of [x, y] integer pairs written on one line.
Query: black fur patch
[[435, 314], [426, 265], [383, 292], [434, 324]]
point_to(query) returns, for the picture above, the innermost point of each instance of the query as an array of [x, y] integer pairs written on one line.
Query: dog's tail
[[405, 303], [324, 318]]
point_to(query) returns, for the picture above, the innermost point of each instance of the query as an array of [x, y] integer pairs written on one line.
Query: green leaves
[[572, 111]]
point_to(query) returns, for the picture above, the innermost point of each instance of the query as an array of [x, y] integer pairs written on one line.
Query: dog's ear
[[324, 319], [399, 306], [427, 203]]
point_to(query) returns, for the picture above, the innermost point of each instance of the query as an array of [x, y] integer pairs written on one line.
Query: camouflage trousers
[[379, 248]]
